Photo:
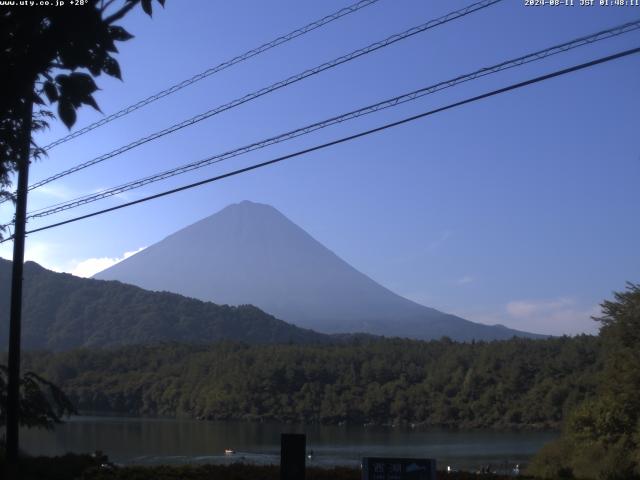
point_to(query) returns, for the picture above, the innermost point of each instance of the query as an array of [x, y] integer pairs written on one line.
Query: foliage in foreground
[[42, 404], [601, 438], [515, 383], [249, 472], [53, 53], [84, 467], [66, 467]]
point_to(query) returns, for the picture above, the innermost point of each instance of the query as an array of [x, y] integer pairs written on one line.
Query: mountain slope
[[61, 311], [250, 253]]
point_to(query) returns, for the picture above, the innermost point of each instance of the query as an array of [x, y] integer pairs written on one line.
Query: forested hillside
[[601, 436], [515, 383], [64, 312]]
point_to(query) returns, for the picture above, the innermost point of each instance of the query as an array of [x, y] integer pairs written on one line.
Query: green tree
[[601, 437], [51, 54], [327, 383], [42, 404]]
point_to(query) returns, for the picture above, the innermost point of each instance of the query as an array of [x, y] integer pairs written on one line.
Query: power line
[[392, 102], [514, 86], [218, 68], [276, 86]]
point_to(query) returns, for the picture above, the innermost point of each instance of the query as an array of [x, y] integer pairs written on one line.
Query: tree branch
[[121, 13], [104, 6]]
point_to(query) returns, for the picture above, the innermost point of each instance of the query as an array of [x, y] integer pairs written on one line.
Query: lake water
[[154, 441]]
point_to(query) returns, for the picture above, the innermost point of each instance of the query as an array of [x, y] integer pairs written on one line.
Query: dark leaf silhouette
[[146, 6], [120, 34], [111, 67], [67, 113], [51, 91]]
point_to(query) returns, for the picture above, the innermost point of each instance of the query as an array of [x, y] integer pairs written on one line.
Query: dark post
[[13, 387], [292, 456]]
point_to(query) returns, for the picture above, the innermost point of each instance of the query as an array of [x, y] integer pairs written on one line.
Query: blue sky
[[521, 209]]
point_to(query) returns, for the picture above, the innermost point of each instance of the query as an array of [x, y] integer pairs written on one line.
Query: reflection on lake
[[153, 441]]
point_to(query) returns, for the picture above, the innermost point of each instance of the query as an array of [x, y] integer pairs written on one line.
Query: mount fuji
[[250, 253]]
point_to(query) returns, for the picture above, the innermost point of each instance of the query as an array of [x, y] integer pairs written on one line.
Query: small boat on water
[[229, 451]]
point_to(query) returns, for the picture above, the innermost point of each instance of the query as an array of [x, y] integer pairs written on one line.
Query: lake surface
[[155, 441]]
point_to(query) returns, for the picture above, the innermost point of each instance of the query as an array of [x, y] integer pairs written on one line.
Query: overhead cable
[[499, 91], [213, 70], [392, 102], [276, 86]]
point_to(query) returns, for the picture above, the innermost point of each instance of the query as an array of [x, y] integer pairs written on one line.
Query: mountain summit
[[250, 253]]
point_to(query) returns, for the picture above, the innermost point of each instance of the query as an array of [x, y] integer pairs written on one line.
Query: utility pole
[[13, 387]]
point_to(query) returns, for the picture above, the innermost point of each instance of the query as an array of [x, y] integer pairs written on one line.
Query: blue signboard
[[376, 468]]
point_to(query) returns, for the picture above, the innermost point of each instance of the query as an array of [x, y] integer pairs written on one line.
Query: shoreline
[[417, 426]]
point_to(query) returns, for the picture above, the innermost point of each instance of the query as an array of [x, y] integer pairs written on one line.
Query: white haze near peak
[[91, 266]]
